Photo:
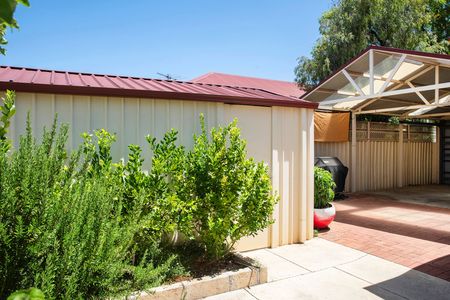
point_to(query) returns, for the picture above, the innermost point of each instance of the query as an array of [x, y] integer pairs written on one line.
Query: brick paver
[[413, 235]]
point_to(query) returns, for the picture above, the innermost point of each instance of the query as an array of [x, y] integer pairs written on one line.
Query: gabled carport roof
[[382, 80]]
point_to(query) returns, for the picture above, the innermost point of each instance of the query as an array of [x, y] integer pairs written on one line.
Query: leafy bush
[[29, 294], [323, 188], [233, 194], [212, 194]]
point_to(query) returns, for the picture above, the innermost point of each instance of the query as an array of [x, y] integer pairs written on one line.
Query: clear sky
[[184, 38]]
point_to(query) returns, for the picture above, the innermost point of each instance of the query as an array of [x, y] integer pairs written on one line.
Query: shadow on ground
[[415, 285]]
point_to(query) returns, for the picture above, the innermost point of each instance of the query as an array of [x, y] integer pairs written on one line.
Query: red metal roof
[[285, 88], [61, 82]]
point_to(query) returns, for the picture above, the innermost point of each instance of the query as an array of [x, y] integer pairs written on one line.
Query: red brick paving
[[416, 236]]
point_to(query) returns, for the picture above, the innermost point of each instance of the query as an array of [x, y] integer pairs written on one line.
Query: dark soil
[[198, 264]]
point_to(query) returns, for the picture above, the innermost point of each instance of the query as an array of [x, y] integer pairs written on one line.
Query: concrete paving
[[432, 195], [320, 269]]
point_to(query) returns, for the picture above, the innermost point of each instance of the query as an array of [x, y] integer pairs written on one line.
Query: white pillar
[[400, 157], [353, 169], [371, 80], [436, 81], [310, 177]]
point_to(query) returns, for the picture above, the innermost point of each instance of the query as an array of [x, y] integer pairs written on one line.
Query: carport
[[394, 82], [405, 224]]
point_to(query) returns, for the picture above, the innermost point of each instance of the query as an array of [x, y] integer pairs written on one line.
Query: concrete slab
[[235, 295], [398, 279], [338, 272], [279, 267], [318, 254], [432, 195], [373, 269], [326, 284]]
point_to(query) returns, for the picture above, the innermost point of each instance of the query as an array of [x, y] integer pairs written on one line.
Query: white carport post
[[400, 157], [354, 145]]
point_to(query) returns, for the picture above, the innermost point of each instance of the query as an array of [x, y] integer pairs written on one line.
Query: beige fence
[[378, 154]]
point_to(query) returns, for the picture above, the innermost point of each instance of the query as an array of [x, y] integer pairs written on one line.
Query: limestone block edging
[[207, 286]]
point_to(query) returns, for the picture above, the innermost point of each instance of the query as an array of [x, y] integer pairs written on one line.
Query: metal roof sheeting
[[285, 88], [62, 82]]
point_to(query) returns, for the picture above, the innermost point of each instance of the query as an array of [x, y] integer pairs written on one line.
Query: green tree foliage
[[7, 110], [323, 188], [7, 9], [350, 26]]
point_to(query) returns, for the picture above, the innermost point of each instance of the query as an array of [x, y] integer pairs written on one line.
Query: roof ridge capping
[[244, 76]]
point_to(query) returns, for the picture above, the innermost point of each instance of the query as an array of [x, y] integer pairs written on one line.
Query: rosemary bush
[[63, 226]]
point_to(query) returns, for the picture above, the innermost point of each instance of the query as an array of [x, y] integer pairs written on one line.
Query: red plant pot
[[324, 216]]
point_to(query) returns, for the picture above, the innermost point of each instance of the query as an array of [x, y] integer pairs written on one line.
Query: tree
[[7, 9], [350, 26]]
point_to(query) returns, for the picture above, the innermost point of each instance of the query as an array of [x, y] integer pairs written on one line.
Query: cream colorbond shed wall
[[280, 136]]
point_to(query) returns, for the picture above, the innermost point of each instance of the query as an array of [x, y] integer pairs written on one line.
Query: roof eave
[[133, 93]]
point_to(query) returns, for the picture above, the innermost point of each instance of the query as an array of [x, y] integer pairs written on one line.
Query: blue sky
[[261, 38]]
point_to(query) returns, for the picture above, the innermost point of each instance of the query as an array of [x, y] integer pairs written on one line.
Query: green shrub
[[323, 188], [167, 206], [29, 294], [8, 110], [63, 227], [212, 193], [232, 193]]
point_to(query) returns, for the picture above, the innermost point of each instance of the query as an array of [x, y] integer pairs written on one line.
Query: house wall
[[280, 136]]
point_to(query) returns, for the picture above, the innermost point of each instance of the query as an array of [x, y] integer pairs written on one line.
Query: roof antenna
[[166, 76]]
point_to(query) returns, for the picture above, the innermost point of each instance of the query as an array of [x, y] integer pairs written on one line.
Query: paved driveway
[[413, 235], [320, 269]]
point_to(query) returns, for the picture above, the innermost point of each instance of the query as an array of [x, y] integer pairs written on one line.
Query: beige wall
[[377, 163], [280, 136]]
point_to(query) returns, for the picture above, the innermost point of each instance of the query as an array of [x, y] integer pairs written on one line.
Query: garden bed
[[234, 273], [79, 225]]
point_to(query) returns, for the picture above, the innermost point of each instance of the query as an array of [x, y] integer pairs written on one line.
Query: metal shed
[[278, 129]]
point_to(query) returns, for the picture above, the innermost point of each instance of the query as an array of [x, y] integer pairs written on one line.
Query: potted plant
[[324, 211]]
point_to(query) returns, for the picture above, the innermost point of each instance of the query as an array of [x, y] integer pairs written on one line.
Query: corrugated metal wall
[[131, 119], [292, 169], [421, 163], [377, 163], [280, 136]]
